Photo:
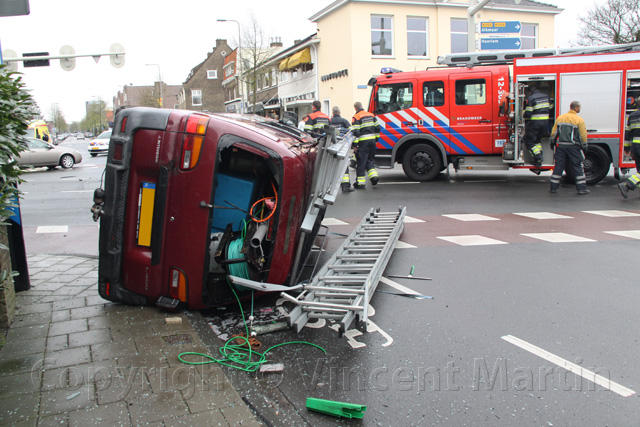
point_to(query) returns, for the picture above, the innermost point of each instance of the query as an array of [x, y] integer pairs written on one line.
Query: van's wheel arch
[[422, 162]]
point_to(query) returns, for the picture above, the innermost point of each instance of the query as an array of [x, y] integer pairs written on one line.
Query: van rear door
[[471, 120]]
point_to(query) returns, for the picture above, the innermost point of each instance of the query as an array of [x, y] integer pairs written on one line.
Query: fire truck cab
[[470, 112]]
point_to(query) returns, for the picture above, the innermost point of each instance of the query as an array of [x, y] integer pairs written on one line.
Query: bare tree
[[148, 97], [613, 22], [57, 118], [255, 52]]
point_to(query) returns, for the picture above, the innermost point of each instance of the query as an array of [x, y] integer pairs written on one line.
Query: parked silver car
[[41, 154]]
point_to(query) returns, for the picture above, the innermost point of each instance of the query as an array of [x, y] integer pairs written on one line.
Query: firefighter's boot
[[346, 188], [624, 189]]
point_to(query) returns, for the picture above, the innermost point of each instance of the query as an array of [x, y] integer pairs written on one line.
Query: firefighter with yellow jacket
[[569, 134], [366, 131], [632, 133]]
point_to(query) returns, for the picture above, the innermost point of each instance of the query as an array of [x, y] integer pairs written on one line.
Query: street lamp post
[[159, 78], [239, 62]]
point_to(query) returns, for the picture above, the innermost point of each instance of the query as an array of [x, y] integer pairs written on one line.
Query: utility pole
[[471, 23]]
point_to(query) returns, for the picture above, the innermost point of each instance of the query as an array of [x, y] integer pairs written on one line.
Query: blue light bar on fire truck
[[389, 70]]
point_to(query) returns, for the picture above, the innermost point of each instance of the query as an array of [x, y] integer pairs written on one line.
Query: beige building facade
[[360, 37]]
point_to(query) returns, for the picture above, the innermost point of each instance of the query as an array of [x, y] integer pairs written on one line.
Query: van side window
[[471, 92], [394, 97], [433, 93]]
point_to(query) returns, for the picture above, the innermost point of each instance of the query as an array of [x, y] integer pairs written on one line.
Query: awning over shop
[[302, 57], [283, 65]]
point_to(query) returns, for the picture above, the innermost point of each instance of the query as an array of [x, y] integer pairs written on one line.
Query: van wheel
[[421, 162], [596, 164]]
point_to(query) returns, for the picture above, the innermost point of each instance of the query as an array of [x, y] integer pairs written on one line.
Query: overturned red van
[[189, 198]]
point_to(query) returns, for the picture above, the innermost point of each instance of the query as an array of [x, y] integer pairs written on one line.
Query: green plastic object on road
[[339, 409]]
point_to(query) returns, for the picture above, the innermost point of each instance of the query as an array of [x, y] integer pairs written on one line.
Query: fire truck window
[[471, 92], [394, 97], [433, 93]]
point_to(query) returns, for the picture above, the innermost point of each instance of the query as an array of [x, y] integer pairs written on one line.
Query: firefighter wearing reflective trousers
[[366, 131], [316, 121], [536, 115], [633, 134], [569, 133]]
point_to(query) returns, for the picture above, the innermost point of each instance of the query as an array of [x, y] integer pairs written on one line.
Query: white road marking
[[403, 245], [398, 286], [333, 221], [52, 229], [471, 217], [472, 240], [571, 367], [632, 234], [399, 182], [557, 237], [543, 215], [612, 214], [409, 219]]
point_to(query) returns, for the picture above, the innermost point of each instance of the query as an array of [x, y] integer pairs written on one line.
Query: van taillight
[[118, 148], [178, 285], [195, 128], [191, 146], [124, 124]]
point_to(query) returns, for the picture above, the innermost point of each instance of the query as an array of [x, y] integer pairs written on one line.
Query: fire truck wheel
[[421, 162], [596, 164]]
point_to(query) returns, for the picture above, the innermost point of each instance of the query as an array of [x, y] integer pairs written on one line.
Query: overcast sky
[[176, 35]]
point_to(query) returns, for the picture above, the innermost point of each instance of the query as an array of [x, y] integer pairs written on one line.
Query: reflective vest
[[316, 122], [538, 106], [633, 128], [365, 127]]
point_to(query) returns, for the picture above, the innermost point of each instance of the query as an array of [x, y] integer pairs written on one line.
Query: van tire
[[421, 162]]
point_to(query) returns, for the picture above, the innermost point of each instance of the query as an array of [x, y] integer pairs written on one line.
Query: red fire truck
[[469, 113]]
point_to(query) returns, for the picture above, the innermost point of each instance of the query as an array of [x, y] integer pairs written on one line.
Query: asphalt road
[[534, 294]]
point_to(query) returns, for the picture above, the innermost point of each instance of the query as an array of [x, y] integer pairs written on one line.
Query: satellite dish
[[117, 60], [13, 65], [67, 64]]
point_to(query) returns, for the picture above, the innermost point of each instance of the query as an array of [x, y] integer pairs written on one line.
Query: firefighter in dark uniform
[[569, 133], [316, 121], [366, 131], [343, 126], [632, 134], [536, 115]]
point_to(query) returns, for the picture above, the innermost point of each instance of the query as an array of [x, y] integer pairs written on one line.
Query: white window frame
[[534, 38], [389, 31], [194, 93], [426, 36], [212, 74], [466, 33]]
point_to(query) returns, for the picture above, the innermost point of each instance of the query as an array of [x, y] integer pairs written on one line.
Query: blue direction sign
[[500, 27], [502, 43]]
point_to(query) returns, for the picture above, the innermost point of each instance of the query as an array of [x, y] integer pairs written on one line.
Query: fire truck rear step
[[343, 288]]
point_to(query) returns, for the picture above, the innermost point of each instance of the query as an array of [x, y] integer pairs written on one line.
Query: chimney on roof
[[276, 42]]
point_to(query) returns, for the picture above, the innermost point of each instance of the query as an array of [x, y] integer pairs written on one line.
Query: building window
[[433, 93], [212, 74], [459, 35], [229, 70], [529, 36], [418, 37], [196, 97], [471, 92], [381, 35]]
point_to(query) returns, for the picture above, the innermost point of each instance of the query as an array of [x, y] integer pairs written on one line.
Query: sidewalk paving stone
[[71, 358]]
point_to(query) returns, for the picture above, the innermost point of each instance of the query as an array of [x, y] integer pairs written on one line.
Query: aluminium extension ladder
[[343, 287]]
